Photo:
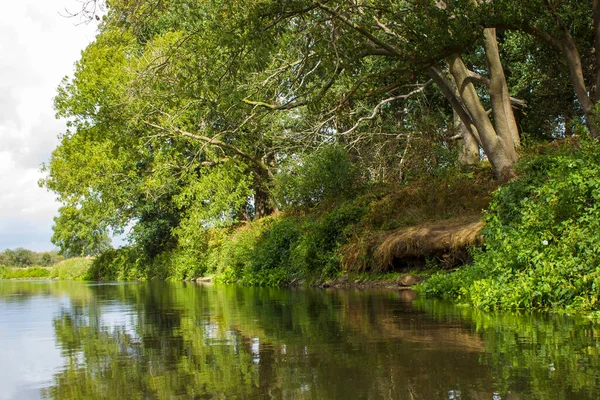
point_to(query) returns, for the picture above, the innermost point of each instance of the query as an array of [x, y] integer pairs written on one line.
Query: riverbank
[[535, 246], [70, 269], [541, 239], [398, 228], [540, 250]]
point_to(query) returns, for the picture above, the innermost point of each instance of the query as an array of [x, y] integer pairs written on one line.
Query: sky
[[39, 45]]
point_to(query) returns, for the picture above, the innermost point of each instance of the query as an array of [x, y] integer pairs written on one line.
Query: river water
[[71, 340]]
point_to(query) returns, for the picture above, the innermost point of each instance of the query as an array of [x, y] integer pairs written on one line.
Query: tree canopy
[[183, 114]]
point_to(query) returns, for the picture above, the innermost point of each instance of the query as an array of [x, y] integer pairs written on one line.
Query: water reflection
[[167, 341]]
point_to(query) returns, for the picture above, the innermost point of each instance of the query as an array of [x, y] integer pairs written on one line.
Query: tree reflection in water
[[167, 341]]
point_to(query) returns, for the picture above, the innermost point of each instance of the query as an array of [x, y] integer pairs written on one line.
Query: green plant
[[125, 263], [24, 273], [327, 173], [72, 269], [541, 239]]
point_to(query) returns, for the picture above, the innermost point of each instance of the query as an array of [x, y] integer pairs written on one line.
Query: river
[[73, 340]]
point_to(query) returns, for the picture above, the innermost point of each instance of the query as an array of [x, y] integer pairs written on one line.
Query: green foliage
[[132, 263], [176, 265], [318, 249], [212, 200], [46, 260], [273, 251], [279, 250], [72, 269], [120, 264], [78, 234], [258, 254], [187, 119], [20, 257], [24, 273], [327, 173], [541, 239]]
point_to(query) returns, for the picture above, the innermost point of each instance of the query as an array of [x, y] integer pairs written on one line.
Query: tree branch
[[394, 51], [486, 82], [382, 103], [218, 143], [295, 104]]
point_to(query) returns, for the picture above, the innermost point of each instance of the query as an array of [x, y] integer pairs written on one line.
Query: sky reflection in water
[[68, 340]]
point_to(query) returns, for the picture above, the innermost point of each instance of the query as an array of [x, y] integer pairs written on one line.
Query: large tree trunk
[[469, 148], [596, 13], [504, 118], [500, 152], [450, 91], [262, 206], [569, 49]]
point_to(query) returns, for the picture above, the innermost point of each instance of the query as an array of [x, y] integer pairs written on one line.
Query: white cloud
[[39, 46]]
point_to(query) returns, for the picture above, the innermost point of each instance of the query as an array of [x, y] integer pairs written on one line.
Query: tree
[[572, 28], [157, 121], [20, 257], [182, 113], [46, 260], [77, 236], [429, 36]]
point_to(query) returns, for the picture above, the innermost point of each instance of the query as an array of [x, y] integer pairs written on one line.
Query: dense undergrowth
[[540, 247], [311, 242], [541, 239], [272, 251]]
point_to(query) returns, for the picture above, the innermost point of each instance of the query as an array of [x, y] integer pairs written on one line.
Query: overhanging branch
[[215, 142], [386, 101]]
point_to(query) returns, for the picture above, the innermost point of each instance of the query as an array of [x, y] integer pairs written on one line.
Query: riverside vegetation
[[272, 142], [72, 269]]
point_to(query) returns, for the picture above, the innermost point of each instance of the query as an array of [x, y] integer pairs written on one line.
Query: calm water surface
[[68, 340]]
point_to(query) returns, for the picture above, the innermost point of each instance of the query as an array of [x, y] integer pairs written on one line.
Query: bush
[[318, 249], [274, 247], [541, 237], [327, 173], [276, 250], [176, 265], [72, 269], [125, 263], [24, 273]]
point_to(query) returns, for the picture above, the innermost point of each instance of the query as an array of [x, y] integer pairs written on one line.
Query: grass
[[431, 220], [71, 269], [25, 273]]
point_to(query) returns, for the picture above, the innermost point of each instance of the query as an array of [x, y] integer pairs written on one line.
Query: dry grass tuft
[[381, 251]]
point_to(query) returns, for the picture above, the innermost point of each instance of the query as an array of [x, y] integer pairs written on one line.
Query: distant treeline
[[21, 257]]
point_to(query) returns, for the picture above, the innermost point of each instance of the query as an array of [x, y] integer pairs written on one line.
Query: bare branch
[[297, 103], [382, 103], [391, 49], [89, 11]]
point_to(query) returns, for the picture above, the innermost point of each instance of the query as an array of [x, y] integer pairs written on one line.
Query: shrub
[[327, 173], [278, 249], [541, 237], [72, 269], [176, 265], [318, 249], [24, 273], [125, 263]]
